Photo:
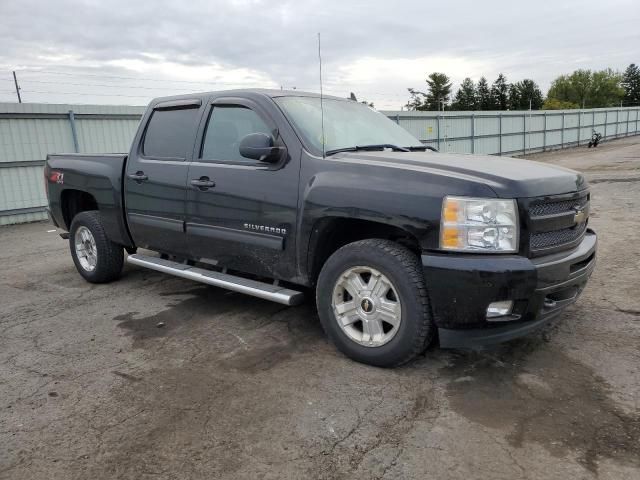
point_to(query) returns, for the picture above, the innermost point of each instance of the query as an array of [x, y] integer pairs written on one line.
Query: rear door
[[241, 213], [156, 176]]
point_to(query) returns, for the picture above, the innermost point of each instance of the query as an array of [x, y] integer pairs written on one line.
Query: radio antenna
[[321, 97]]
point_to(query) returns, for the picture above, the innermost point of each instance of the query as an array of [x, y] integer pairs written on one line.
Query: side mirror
[[259, 146]]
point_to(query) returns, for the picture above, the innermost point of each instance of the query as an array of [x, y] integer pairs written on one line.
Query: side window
[[170, 133], [227, 125]]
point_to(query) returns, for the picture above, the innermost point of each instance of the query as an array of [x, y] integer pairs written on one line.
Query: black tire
[[110, 256], [403, 268]]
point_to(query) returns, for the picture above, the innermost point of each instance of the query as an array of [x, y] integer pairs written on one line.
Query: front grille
[[542, 209], [557, 237], [551, 222]]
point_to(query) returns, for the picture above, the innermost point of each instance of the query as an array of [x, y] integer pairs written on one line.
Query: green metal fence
[[28, 132], [516, 132]]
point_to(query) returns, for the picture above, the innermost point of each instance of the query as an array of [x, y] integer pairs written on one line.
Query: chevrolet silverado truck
[[283, 194]]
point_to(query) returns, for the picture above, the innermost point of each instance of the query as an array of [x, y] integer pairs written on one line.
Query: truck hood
[[508, 177]]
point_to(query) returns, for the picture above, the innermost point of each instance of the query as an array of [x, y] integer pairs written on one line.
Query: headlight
[[479, 225]]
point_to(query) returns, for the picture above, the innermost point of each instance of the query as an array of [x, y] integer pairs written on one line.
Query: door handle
[[139, 177], [203, 183]]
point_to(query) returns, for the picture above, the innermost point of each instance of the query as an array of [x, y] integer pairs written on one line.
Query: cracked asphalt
[[234, 387]]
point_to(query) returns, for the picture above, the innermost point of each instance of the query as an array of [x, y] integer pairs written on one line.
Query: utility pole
[[15, 80]]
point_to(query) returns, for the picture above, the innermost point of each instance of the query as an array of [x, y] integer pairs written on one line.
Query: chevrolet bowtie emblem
[[366, 305], [580, 216]]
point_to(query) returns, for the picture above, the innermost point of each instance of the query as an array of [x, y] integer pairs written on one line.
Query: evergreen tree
[[437, 96], [500, 93], [631, 85], [439, 91], [514, 98], [525, 94], [465, 98], [483, 95], [530, 95]]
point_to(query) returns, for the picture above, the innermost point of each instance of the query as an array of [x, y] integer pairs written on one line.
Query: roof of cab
[[272, 93]]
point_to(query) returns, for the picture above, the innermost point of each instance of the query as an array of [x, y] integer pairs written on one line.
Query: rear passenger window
[[170, 133], [227, 125]]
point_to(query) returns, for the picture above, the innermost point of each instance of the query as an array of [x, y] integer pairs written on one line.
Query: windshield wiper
[[418, 148], [357, 148]]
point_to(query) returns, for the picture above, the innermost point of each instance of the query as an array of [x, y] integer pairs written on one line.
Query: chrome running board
[[266, 291]]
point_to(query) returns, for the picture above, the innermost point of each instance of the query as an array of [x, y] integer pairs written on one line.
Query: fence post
[[74, 133], [500, 132], [579, 126], [617, 122], [438, 128], [524, 135], [606, 122], [473, 133], [627, 134], [544, 133], [398, 118], [562, 132]]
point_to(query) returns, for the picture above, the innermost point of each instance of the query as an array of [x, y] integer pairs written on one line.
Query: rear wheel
[[97, 258], [373, 304]]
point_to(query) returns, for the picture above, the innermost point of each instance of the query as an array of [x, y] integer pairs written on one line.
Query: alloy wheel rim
[[86, 250], [366, 306]]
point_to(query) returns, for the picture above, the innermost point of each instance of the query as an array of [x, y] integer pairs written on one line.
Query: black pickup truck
[[280, 194]]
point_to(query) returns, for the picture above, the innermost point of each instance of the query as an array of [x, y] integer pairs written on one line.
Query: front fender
[[407, 200]]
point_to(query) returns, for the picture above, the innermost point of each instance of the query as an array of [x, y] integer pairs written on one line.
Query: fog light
[[499, 309]]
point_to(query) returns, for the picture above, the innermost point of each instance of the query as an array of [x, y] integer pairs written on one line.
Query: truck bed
[[89, 178]]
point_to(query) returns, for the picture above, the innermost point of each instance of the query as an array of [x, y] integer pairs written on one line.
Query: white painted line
[[51, 231]]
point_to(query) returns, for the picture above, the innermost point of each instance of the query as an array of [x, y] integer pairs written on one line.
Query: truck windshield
[[346, 124]]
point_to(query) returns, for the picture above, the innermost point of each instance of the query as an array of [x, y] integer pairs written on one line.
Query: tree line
[[580, 89]]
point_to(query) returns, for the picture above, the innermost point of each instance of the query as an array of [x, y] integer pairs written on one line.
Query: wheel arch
[[74, 201], [331, 233]]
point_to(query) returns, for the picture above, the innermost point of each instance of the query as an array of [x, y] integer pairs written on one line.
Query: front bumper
[[461, 287]]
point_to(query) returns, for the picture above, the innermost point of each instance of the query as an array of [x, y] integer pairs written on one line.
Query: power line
[[388, 97], [348, 86], [106, 86], [116, 85], [86, 94], [51, 72]]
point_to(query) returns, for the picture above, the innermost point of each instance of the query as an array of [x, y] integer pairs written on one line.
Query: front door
[[156, 177], [241, 213]]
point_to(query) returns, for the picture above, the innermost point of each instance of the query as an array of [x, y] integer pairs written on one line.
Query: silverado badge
[[266, 229]]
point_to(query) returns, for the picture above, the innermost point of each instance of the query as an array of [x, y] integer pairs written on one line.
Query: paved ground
[[235, 387]]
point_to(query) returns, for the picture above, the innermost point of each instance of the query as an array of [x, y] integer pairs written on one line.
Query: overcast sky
[[126, 51]]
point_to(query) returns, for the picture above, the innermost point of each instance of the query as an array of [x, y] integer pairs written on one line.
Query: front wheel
[[97, 258], [373, 304]]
